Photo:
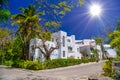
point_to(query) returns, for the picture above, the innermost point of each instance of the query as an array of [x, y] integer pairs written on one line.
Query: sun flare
[[95, 10]]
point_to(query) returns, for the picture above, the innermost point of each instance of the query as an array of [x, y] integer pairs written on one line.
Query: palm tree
[[99, 41], [95, 53], [28, 22]]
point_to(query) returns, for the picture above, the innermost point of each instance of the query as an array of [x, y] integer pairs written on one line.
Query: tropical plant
[[28, 22], [115, 40], [100, 41], [95, 53], [4, 33], [107, 68]]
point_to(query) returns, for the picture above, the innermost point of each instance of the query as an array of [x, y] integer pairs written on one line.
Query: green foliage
[[53, 24], [60, 63], [4, 15], [115, 40], [29, 26], [18, 63], [65, 62], [17, 48], [32, 65], [62, 4], [28, 65], [95, 53], [99, 40], [92, 59], [45, 35], [56, 10], [115, 75], [107, 68], [13, 50], [8, 63], [4, 43], [49, 64], [118, 27], [4, 33], [117, 58], [80, 2], [85, 60]]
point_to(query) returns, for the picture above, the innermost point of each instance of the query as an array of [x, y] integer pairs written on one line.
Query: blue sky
[[79, 22]]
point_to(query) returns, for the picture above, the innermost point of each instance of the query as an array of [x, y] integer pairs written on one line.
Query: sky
[[79, 22]]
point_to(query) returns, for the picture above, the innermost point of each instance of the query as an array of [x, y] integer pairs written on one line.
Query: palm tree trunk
[[25, 54]]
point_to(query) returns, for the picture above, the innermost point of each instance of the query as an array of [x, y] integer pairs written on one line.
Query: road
[[77, 72]]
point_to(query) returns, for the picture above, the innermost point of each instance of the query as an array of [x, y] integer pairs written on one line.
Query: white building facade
[[68, 48]]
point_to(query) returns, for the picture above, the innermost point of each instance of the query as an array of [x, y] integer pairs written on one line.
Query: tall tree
[[95, 53], [100, 41], [28, 22], [33, 24], [115, 40]]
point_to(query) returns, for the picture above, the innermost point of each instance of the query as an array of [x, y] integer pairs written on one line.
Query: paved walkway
[[77, 72]]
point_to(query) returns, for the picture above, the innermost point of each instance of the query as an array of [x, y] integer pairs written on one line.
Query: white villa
[[69, 47]]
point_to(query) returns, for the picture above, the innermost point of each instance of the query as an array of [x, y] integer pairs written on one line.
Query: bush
[[87, 60], [49, 64], [107, 68], [8, 63], [92, 59], [65, 62], [117, 58], [32, 65], [115, 75], [18, 64], [61, 63]]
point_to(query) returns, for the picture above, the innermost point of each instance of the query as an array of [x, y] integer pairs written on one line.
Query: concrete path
[[77, 72]]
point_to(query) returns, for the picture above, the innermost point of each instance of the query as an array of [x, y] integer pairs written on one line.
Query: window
[[68, 40], [78, 49], [69, 48], [63, 41], [63, 53]]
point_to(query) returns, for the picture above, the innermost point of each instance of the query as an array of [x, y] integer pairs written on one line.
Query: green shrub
[[60, 63], [117, 58], [18, 63], [32, 65], [49, 64], [86, 60], [55, 63], [115, 75], [92, 59], [8, 63], [107, 68]]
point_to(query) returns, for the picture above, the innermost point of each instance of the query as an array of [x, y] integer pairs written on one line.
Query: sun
[[95, 10]]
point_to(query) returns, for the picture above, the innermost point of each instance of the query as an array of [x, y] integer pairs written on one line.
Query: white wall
[[62, 52], [111, 51]]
